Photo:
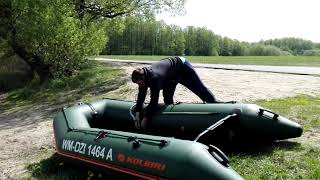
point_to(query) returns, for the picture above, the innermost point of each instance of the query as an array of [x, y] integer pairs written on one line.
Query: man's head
[[137, 76]]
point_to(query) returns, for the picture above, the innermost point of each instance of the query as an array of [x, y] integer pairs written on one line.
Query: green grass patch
[[300, 162], [285, 159], [240, 60], [303, 109], [55, 168], [91, 82]]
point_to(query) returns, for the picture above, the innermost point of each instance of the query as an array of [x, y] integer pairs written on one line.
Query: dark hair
[[137, 74]]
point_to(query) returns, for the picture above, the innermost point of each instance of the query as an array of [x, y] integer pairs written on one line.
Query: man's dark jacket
[[158, 76]]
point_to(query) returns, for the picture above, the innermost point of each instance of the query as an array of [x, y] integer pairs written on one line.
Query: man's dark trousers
[[191, 80]]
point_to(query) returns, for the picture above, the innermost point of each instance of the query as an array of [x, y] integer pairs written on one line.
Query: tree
[[48, 37], [296, 46], [55, 36], [189, 34], [179, 41], [265, 50], [112, 8], [225, 47], [312, 52], [5, 26]]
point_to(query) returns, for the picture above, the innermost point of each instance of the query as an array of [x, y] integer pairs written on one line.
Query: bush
[[51, 30], [312, 52], [262, 50]]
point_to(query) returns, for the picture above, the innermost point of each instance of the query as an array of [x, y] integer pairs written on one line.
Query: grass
[[303, 109], [312, 61], [285, 159], [300, 162], [53, 167], [91, 83]]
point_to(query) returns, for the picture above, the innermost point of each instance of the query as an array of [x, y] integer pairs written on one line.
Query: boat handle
[[101, 134], [95, 113], [163, 143], [136, 142], [219, 155], [275, 116]]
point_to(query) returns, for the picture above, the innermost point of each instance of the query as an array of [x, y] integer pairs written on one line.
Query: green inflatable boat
[[180, 142]]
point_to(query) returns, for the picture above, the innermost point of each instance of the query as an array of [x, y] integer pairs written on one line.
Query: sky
[[252, 20]]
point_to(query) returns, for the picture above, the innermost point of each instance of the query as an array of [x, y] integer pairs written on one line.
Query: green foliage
[[200, 41], [312, 52], [263, 50], [145, 36], [295, 46], [49, 30], [110, 9], [5, 14], [225, 47], [4, 49]]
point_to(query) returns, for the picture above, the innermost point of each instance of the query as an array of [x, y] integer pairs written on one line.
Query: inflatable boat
[[180, 142]]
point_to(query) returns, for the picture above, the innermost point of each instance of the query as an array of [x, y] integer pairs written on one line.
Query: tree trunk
[[36, 64], [8, 31], [41, 69]]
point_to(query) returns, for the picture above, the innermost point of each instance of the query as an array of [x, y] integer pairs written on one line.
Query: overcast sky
[[253, 20]]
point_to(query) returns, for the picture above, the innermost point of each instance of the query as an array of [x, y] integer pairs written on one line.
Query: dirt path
[[26, 134]]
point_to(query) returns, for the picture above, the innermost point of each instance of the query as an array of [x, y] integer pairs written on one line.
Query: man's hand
[[137, 120]]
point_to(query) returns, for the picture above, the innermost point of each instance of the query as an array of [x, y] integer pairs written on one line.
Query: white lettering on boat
[[95, 151], [109, 155], [80, 147], [67, 145]]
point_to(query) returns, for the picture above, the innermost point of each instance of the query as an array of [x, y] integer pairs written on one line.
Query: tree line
[[146, 36]]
